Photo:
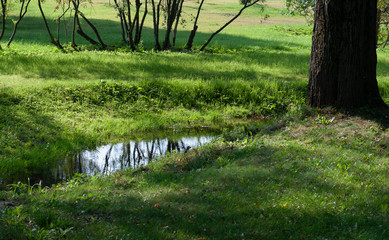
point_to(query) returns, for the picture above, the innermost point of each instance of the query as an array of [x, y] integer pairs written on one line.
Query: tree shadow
[[134, 66], [32, 30], [274, 198], [31, 141], [156, 66]]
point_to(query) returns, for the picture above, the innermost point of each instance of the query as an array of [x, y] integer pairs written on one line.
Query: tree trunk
[[176, 24], [343, 60], [22, 13], [138, 4], [73, 44], [56, 43], [4, 5], [103, 45], [192, 35], [123, 24], [142, 23], [156, 12]]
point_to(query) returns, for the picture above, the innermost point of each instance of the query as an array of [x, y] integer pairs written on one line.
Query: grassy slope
[[310, 179], [58, 103]]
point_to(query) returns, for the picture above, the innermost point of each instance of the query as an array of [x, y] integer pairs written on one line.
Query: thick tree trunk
[[343, 59]]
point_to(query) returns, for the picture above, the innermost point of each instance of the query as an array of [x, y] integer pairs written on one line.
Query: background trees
[[166, 14]]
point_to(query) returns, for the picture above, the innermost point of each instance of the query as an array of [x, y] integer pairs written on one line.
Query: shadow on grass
[[32, 30], [137, 67], [31, 142], [258, 192], [250, 66], [240, 65]]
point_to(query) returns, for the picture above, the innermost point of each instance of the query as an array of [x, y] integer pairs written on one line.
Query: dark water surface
[[109, 158]]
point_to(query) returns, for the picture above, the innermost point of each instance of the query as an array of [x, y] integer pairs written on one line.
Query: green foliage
[[292, 182], [321, 178], [302, 7]]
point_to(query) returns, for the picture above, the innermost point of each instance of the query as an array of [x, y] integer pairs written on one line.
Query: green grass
[[93, 97], [310, 179]]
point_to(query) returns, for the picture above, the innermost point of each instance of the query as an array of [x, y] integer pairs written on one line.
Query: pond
[[109, 158]]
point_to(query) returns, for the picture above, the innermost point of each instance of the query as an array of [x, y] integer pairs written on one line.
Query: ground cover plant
[[324, 177], [93, 96]]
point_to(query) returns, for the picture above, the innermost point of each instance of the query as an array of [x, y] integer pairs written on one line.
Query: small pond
[[109, 158]]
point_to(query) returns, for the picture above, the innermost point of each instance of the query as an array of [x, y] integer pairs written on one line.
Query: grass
[[305, 174], [87, 97], [311, 179]]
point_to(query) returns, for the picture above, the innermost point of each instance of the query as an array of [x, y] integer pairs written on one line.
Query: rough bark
[[343, 60]]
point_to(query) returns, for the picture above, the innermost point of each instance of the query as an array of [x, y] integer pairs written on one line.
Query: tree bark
[[343, 59], [172, 10], [22, 13], [138, 4], [73, 44], [139, 35], [56, 43], [192, 35], [156, 12], [4, 5], [176, 24], [103, 45], [123, 24]]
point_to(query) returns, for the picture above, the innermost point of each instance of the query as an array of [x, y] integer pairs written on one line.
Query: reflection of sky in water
[[109, 158]]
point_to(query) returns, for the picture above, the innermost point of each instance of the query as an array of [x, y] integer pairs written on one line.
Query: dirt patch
[[275, 4]]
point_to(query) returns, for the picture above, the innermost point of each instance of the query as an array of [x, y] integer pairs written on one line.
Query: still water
[[109, 158]]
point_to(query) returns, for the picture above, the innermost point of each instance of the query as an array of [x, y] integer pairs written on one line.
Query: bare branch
[[247, 5]]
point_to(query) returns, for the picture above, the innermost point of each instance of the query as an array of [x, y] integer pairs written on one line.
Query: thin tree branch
[[247, 5], [56, 43]]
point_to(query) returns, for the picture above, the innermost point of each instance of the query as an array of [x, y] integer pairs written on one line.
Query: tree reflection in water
[[109, 158]]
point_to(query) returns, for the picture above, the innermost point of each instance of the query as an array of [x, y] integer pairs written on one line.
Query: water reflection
[[109, 158]]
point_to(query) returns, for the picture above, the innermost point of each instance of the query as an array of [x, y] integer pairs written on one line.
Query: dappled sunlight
[[258, 65], [273, 169], [261, 188]]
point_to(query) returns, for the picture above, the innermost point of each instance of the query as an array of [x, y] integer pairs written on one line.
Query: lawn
[[279, 170]]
